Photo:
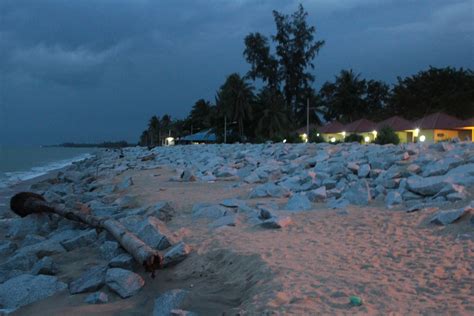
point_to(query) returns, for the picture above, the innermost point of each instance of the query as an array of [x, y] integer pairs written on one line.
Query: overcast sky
[[96, 70]]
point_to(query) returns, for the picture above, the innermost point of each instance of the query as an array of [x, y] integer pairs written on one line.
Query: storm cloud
[[95, 70]]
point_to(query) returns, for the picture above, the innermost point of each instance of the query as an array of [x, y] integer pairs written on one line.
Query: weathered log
[[26, 203]]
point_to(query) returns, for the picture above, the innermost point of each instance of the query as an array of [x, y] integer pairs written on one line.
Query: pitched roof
[[397, 123], [360, 126], [332, 127], [302, 129], [204, 136], [439, 120], [469, 122]]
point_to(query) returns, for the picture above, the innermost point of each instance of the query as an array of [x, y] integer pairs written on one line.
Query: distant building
[[431, 128], [203, 137]]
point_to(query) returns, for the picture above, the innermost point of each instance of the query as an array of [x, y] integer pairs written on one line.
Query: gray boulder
[[45, 266], [426, 186], [125, 184], [269, 189], [188, 176], [358, 193], [317, 195], [176, 254], [210, 211], [228, 220], [84, 239], [97, 298], [447, 217], [124, 261], [91, 280], [26, 289], [393, 198], [298, 202], [7, 247], [110, 249], [32, 224], [169, 301], [363, 171], [276, 222], [162, 210], [124, 282], [32, 239]]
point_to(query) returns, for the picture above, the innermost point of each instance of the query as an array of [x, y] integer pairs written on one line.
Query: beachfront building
[[402, 127], [203, 137], [333, 132], [303, 131], [467, 129], [363, 127], [441, 126]]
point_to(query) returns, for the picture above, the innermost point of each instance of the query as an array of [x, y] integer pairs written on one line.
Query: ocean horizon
[[22, 163]]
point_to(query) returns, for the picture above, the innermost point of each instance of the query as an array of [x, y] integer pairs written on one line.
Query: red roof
[[332, 127], [439, 120], [397, 123], [360, 126], [312, 127]]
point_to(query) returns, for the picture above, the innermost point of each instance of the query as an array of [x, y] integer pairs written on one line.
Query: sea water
[[18, 164]]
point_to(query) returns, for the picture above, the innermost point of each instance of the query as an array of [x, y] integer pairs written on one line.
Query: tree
[[144, 139], [234, 100], [350, 97], [437, 89], [201, 115], [296, 48], [154, 130], [273, 119], [166, 124]]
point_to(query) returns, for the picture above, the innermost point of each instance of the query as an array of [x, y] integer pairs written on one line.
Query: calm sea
[[23, 163]]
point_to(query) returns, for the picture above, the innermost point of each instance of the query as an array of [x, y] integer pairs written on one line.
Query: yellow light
[[304, 137], [417, 131], [422, 138], [367, 139], [344, 134], [333, 139], [317, 134], [375, 134]]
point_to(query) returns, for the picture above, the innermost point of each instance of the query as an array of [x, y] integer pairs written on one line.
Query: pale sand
[[396, 262]]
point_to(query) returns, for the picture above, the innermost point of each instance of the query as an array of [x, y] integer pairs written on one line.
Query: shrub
[[293, 138], [314, 138], [387, 135], [353, 138]]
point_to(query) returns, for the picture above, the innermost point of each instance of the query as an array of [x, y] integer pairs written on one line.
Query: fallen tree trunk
[[26, 203]]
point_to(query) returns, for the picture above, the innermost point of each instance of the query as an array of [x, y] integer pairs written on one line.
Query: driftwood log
[[26, 203]]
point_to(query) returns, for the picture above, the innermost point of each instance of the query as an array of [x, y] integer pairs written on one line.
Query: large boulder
[[269, 190], [317, 195], [358, 193], [89, 281], [124, 261], [276, 222], [110, 249], [97, 298], [124, 282], [151, 230], [45, 266], [26, 289], [176, 254], [298, 202], [169, 301], [448, 217], [85, 239], [7, 247], [426, 186]]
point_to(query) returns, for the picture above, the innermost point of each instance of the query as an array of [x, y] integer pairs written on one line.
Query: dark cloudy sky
[[95, 70]]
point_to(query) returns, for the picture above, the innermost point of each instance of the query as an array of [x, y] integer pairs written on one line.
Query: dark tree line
[[283, 65]]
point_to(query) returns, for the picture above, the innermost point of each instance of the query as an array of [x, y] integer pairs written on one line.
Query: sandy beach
[[396, 262]]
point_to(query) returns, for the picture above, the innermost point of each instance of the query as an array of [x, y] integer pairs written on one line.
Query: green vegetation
[[387, 135], [353, 138], [282, 64]]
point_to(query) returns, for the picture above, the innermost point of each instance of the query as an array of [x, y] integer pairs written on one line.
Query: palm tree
[[273, 121], [234, 100], [154, 130]]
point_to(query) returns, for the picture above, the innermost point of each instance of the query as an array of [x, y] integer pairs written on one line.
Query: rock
[[91, 280], [340, 203], [125, 184], [188, 176], [180, 312], [228, 220], [97, 298], [298, 202], [151, 230], [393, 198], [26, 289], [7, 247], [176, 254], [161, 210], [358, 193], [169, 301], [426, 186], [84, 239], [447, 217], [363, 171], [414, 168], [123, 282], [124, 261], [32, 224], [265, 214], [45, 266], [317, 195], [48, 247], [441, 166], [110, 249], [269, 189], [212, 211], [225, 172], [126, 202], [276, 222], [32, 239]]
